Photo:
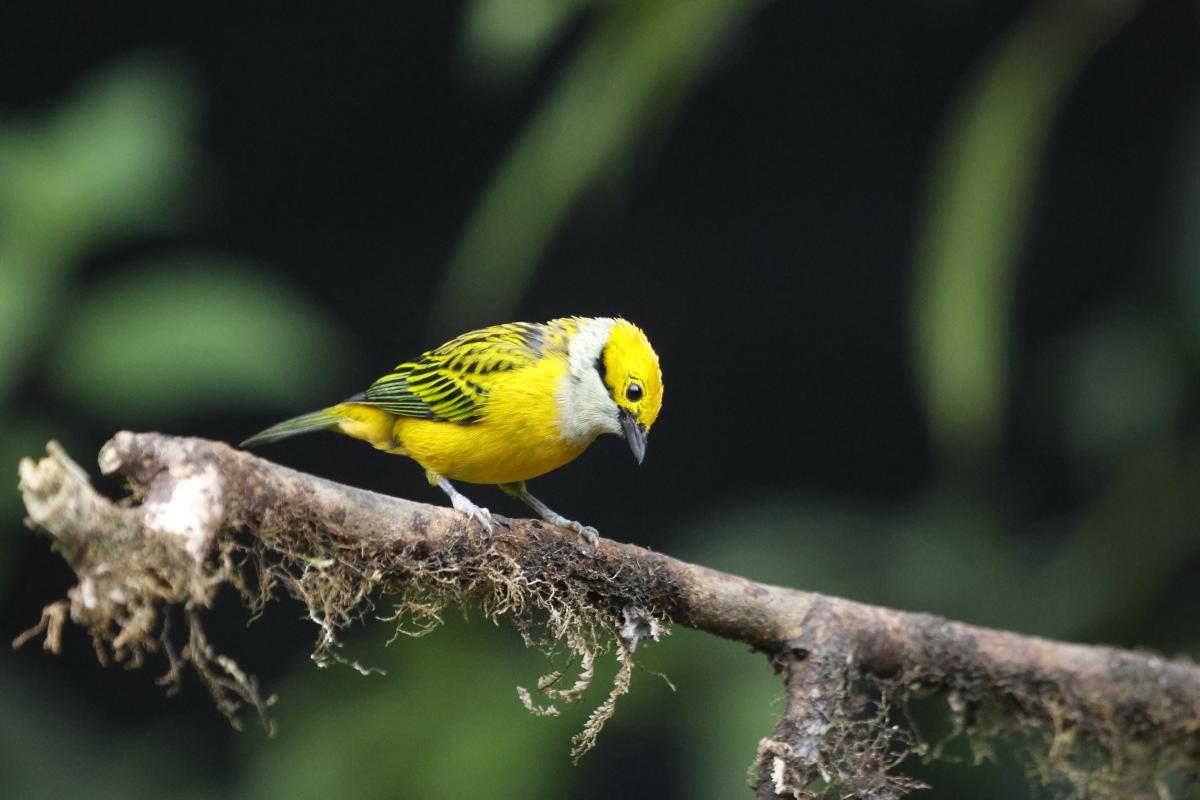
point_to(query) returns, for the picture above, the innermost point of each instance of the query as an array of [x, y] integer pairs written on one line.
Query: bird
[[503, 405]]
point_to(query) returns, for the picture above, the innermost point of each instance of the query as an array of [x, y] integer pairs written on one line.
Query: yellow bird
[[505, 404]]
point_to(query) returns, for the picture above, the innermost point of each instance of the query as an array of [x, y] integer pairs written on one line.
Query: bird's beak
[[635, 434]]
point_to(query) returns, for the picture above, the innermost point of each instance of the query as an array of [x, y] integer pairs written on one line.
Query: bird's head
[[629, 368], [613, 385]]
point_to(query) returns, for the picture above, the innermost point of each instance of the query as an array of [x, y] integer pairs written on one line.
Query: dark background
[[924, 278]]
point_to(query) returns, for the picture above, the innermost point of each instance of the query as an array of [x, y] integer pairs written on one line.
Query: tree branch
[[1106, 722]]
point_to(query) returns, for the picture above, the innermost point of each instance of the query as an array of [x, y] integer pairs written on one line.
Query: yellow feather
[[371, 425], [516, 439]]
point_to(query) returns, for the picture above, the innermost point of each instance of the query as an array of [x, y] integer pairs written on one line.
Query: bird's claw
[[588, 536], [477, 513]]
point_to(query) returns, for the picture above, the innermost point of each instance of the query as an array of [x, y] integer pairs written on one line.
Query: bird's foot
[[477, 513], [461, 503], [588, 536]]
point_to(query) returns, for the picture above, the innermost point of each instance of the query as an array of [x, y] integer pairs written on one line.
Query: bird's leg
[[586, 533], [460, 502]]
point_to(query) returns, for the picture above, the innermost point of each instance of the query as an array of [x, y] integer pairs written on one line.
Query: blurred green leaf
[[629, 74], [105, 163], [444, 722], [1123, 386], [109, 163], [502, 38], [172, 339], [983, 181], [952, 553], [1122, 553], [50, 746], [728, 699], [28, 287]]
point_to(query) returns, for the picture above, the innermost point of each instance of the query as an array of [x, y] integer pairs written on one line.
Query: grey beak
[[634, 433]]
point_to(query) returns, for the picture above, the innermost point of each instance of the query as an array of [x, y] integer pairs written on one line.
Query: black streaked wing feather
[[450, 383]]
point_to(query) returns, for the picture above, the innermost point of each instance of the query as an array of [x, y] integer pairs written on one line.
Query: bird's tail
[[305, 423]]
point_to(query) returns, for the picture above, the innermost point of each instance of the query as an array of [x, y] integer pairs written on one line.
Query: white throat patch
[[585, 409]]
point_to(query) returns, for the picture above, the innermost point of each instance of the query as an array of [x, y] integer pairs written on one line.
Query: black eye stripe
[[601, 369]]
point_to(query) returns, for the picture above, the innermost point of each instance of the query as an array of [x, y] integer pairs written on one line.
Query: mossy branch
[[1101, 721]]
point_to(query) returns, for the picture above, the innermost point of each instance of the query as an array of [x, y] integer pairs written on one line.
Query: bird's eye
[[634, 393]]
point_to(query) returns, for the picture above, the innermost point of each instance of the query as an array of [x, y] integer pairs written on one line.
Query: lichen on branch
[[186, 536]]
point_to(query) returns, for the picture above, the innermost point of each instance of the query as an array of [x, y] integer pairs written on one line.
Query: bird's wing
[[451, 383]]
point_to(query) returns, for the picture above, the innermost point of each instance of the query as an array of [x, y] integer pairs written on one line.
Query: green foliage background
[[186, 338]]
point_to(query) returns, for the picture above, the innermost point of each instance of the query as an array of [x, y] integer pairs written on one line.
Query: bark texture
[[1098, 721]]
